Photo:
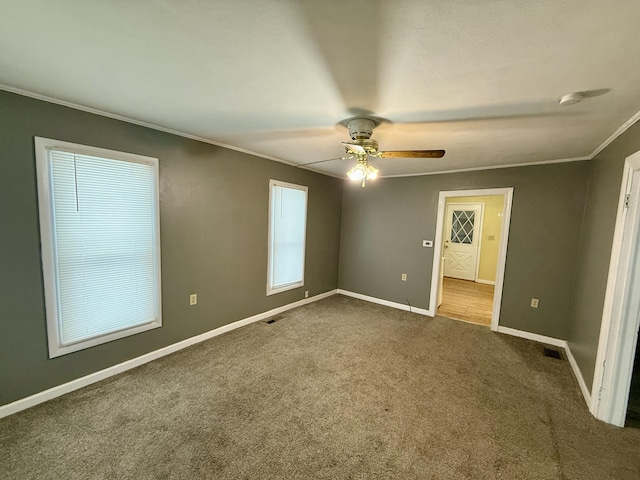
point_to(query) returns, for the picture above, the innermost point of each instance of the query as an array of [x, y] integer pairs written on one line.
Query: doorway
[[470, 237], [469, 258], [621, 320]]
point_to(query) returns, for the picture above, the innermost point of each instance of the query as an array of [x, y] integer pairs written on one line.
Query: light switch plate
[[427, 243]]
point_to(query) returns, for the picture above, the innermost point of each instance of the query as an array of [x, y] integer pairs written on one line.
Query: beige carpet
[[339, 389]]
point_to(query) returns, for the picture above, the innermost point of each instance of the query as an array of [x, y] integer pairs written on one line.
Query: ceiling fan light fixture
[[362, 171], [362, 147], [358, 172]]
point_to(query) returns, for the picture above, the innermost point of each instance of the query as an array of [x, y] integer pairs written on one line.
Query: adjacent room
[[298, 239], [471, 240]]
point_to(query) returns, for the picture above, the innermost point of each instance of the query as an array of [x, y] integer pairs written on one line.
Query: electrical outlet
[[193, 299], [534, 302], [404, 277], [306, 294]]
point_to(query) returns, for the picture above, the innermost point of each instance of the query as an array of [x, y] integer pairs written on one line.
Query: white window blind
[[287, 232], [102, 248]]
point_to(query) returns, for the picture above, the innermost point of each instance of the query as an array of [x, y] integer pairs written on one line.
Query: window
[[99, 224], [287, 230], [462, 226]]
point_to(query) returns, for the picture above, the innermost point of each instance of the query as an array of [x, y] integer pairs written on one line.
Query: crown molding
[[491, 167], [623, 128], [153, 126]]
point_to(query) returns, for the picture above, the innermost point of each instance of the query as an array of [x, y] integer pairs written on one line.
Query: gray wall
[[213, 219], [383, 226], [595, 249]]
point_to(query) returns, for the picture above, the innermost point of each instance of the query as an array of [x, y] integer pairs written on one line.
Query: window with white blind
[[287, 233], [99, 224]]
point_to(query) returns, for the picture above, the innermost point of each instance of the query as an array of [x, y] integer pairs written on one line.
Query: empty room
[[289, 239]]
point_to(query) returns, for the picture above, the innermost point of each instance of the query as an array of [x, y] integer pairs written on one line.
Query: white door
[[462, 240]]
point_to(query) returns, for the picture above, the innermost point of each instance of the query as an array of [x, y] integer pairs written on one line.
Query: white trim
[[578, 374], [386, 303], [556, 342], [481, 229], [507, 192], [26, 93], [486, 282], [43, 144], [43, 147], [153, 126], [59, 390], [623, 128], [436, 274], [614, 358], [489, 167], [115, 116], [271, 290]]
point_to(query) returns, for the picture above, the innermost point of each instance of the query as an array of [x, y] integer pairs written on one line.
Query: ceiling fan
[[362, 146]]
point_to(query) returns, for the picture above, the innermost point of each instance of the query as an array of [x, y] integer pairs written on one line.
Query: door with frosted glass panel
[[462, 240]]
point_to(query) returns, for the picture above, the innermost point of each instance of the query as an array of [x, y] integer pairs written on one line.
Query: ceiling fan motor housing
[[369, 144], [361, 128], [362, 145]]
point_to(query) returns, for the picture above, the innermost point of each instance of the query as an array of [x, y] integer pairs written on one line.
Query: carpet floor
[[337, 389]]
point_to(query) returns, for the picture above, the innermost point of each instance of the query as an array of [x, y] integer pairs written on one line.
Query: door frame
[[616, 347], [479, 224], [502, 250]]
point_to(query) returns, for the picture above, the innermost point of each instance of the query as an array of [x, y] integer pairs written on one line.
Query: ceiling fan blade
[[322, 161], [354, 148], [412, 154]]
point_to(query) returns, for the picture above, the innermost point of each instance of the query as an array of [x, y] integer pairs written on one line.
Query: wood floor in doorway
[[466, 300]]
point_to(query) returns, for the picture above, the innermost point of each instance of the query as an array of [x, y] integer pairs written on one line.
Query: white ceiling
[[478, 78]]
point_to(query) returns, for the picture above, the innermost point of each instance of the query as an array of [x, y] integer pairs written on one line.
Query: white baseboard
[[488, 282], [386, 303], [40, 397], [576, 371], [557, 343]]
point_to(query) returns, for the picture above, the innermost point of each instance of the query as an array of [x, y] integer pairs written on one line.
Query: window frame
[[48, 238], [272, 290]]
